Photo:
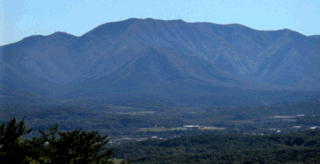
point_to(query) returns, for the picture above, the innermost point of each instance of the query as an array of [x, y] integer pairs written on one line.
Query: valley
[[215, 133], [126, 124]]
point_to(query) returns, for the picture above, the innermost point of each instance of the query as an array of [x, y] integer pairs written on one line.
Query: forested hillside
[[190, 64]]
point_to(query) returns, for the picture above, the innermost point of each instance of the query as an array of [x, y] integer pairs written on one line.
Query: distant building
[[126, 138], [181, 128], [314, 127], [191, 126], [287, 117], [112, 143], [211, 128], [154, 137]]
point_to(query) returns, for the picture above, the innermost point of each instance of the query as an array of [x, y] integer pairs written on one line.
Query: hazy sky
[[22, 18]]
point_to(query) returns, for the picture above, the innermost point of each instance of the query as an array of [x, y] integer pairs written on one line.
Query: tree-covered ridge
[[256, 156], [297, 147]]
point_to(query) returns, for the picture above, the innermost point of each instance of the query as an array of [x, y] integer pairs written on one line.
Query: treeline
[[295, 147], [274, 156], [71, 147]]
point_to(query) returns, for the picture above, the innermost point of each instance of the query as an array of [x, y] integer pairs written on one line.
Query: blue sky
[[22, 18]]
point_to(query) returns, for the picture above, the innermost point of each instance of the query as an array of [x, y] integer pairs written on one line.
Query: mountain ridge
[[211, 55]]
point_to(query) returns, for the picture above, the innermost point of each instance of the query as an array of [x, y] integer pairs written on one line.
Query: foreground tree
[[53, 147], [76, 146], [12, 149]]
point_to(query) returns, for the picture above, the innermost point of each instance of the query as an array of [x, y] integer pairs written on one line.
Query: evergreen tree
[[12, 149], [53, 147], [76, 146]]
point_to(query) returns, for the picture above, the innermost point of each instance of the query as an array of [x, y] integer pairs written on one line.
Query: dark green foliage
[[63, 147], [76, 146], [84, 144], [11, 149], [296, 147]]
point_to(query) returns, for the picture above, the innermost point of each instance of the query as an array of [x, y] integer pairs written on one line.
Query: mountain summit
[[149, 57]]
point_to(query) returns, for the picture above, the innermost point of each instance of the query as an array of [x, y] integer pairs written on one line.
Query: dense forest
[[226, 148]]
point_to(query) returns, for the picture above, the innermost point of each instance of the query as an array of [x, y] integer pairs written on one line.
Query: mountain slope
[[11, 94], [153, 72], [149, 57]]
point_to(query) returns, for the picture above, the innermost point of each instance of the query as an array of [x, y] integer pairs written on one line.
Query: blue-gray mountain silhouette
[[149, 57]]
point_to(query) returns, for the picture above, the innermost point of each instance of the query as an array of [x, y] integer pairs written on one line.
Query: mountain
[[11, 94], [157, 58], [315, 36]]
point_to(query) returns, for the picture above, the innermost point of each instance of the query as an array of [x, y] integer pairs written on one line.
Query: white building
[[191, 126]]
